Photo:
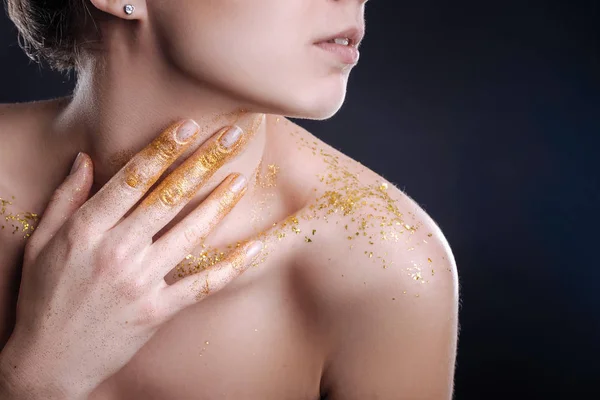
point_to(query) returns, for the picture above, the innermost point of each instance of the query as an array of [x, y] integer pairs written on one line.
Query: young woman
[[124, 288]]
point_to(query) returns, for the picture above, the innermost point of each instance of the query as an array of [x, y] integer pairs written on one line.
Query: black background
[[488, 115]]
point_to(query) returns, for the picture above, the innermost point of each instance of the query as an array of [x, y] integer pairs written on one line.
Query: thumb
[[65, 200]]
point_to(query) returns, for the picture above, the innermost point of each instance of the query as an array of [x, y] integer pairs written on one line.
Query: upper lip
[[354, 34]]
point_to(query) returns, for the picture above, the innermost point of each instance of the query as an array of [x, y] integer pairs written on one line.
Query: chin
[[318, 104], [320, 110]]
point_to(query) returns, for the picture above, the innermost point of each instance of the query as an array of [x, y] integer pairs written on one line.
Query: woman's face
[[261, 51]]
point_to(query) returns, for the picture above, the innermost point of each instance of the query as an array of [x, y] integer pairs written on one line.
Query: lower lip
[[347, 54]]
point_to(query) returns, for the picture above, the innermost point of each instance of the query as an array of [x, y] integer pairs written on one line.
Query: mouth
[[343, 45], [347, 55], [351, 37]]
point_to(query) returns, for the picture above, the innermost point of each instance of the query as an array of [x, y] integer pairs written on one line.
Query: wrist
[[20, 379]]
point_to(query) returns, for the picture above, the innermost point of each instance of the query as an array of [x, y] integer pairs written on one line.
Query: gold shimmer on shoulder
[[24, 221], [365, 213], [368, 207]]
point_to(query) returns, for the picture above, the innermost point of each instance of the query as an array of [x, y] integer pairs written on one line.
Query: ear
[[117, 8]]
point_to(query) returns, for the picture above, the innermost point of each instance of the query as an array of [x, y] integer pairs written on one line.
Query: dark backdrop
[[488, 115]]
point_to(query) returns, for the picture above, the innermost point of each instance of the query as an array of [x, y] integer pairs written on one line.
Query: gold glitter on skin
[[266, 179], [162, 151], [346, 196], [183, 183], [238, 261], [25, 221], [227, 199]]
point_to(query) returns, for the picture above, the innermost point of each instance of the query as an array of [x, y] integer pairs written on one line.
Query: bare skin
[[295, 325], [355, 295]]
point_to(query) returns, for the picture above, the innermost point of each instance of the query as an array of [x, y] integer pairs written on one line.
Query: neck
[[117, 109]]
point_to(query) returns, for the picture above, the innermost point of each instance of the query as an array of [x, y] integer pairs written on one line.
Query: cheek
[[267, 63], [285, 79]]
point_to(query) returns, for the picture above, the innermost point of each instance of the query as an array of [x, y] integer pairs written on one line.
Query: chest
[[252, 340]]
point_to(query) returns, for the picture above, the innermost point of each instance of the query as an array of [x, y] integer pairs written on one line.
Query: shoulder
[[20, 132], [21, 169], [366, 220], [385, 281], [375, 239], [24, 117], [13, 134]]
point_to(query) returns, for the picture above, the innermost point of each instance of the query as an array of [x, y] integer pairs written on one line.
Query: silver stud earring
[[128, 9]]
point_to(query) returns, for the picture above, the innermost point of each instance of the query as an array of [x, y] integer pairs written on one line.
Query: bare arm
[[397, 338], [12, 243], [11, 249]]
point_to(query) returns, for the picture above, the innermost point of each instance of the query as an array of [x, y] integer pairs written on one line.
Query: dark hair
[[50, 30]]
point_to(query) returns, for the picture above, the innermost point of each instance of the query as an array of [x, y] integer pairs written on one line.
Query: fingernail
[[77, 163], [187, 130], [254, 249], [238, 183], [230, 137]]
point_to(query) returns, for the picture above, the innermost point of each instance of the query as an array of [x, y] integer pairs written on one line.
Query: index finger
[[132, 181]]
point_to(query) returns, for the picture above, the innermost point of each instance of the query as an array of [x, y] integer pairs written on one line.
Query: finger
[[180, 240], [179, 187], [194, 288], [130, 184], [66, 199]]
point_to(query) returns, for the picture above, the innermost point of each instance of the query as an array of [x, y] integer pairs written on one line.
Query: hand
[[92, 290]]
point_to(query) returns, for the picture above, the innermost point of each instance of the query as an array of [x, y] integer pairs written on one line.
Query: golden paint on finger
[[171, 195], [157, 156], [228, 200], [166, 148], [210, 257], [205, 290], [236, 258], [226, 197], [132, 179], [195, 171]]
